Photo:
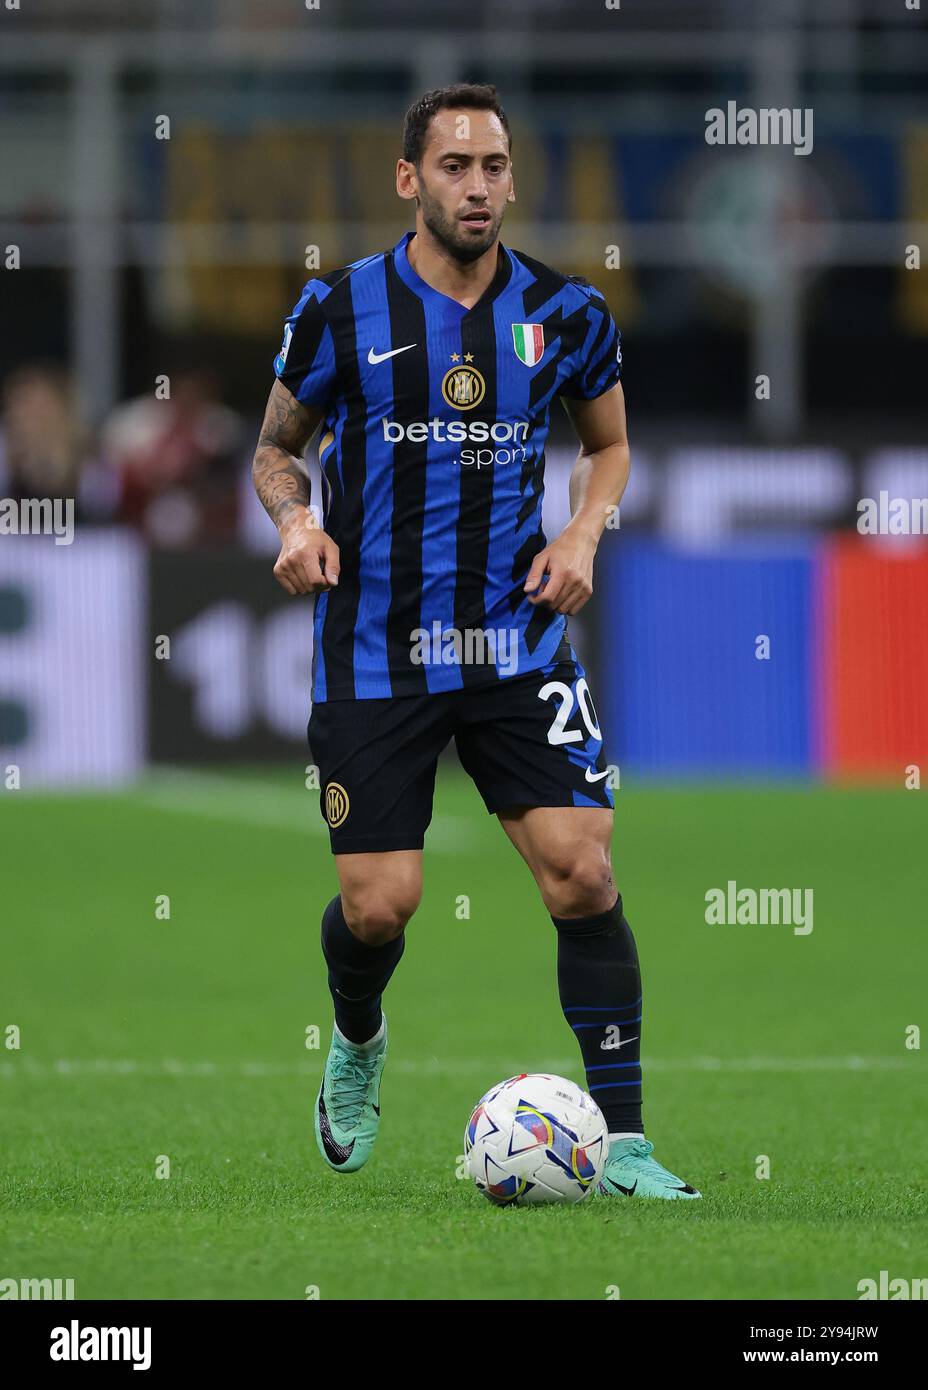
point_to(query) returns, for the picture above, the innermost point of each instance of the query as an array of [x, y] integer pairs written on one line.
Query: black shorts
[[531, 740]]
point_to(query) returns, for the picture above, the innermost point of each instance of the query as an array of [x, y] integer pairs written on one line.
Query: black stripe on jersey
[[531, 481], [542, 616], [342, 603], [478, 336], [411, 387], [568, 329], [538, 624], [599, 342], [546, 285], [528, 468]]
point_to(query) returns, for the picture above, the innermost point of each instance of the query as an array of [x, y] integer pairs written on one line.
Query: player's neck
[[434, 264]]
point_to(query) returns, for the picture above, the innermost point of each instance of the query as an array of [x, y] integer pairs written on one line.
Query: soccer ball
[[536, 1138]]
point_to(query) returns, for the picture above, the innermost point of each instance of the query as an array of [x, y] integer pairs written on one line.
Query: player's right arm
[[308, 561]]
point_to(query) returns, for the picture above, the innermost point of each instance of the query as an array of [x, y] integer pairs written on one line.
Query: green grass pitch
[[186, 1038]]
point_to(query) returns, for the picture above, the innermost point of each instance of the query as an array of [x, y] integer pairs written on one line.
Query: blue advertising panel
[[706, 659]]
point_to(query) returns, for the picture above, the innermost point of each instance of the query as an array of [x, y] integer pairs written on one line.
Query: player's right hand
[[308, 562]]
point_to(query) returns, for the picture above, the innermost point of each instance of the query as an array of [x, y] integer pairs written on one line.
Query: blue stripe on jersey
[[513, 517], [337, 477], [319, 681], [328, 458], [369, 296], [333, 481]]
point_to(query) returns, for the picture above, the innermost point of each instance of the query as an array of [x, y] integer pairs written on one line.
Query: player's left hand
[[562, 574]]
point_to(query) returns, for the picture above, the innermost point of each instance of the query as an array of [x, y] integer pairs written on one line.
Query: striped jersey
[[432, 457]]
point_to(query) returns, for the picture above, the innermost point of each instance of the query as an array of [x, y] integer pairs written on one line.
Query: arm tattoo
[[280, 478]]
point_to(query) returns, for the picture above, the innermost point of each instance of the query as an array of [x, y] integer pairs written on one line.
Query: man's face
[[463, 182]]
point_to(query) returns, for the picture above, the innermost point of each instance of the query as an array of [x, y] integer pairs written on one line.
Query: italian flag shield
[[529, 342]]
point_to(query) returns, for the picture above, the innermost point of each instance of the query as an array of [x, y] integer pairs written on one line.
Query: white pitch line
[[433, 1066]]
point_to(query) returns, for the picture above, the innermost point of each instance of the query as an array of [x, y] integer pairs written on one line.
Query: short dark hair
[[473, 96]]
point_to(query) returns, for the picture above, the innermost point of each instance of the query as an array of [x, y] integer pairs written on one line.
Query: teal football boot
[[348, 1104], [631, 1172]]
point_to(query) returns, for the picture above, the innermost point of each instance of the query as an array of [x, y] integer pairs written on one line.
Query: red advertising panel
[[875, 656]]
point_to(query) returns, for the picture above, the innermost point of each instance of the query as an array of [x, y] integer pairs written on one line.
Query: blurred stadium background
[[166, 167]]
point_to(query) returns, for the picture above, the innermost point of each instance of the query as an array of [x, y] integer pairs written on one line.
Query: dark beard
[[447, 235]]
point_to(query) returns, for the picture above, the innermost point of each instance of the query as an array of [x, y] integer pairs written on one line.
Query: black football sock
[[358, 974], [599, 981]]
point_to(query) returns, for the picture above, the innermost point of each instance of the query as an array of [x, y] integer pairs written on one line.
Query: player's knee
[[579, 883], [379, 914]]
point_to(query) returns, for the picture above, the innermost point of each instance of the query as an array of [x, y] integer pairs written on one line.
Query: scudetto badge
[[336, 805]]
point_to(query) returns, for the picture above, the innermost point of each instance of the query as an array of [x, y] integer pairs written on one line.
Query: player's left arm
[[597, 483]]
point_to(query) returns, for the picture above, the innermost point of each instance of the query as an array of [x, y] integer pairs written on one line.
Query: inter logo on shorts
[[336, 804], [528, 339]]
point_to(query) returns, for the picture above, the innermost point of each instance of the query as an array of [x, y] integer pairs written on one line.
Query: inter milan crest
[[528, 339], [463, 386], [336, 804]]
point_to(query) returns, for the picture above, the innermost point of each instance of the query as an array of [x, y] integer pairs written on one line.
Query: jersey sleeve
[[598, 360], [306, 361]]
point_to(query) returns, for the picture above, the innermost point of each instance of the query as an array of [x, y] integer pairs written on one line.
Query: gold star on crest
[[468, 357], [455, 357]]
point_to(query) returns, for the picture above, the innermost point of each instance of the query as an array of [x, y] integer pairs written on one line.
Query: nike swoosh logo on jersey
[[375, 357], [596, 776], [611, 1046]]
